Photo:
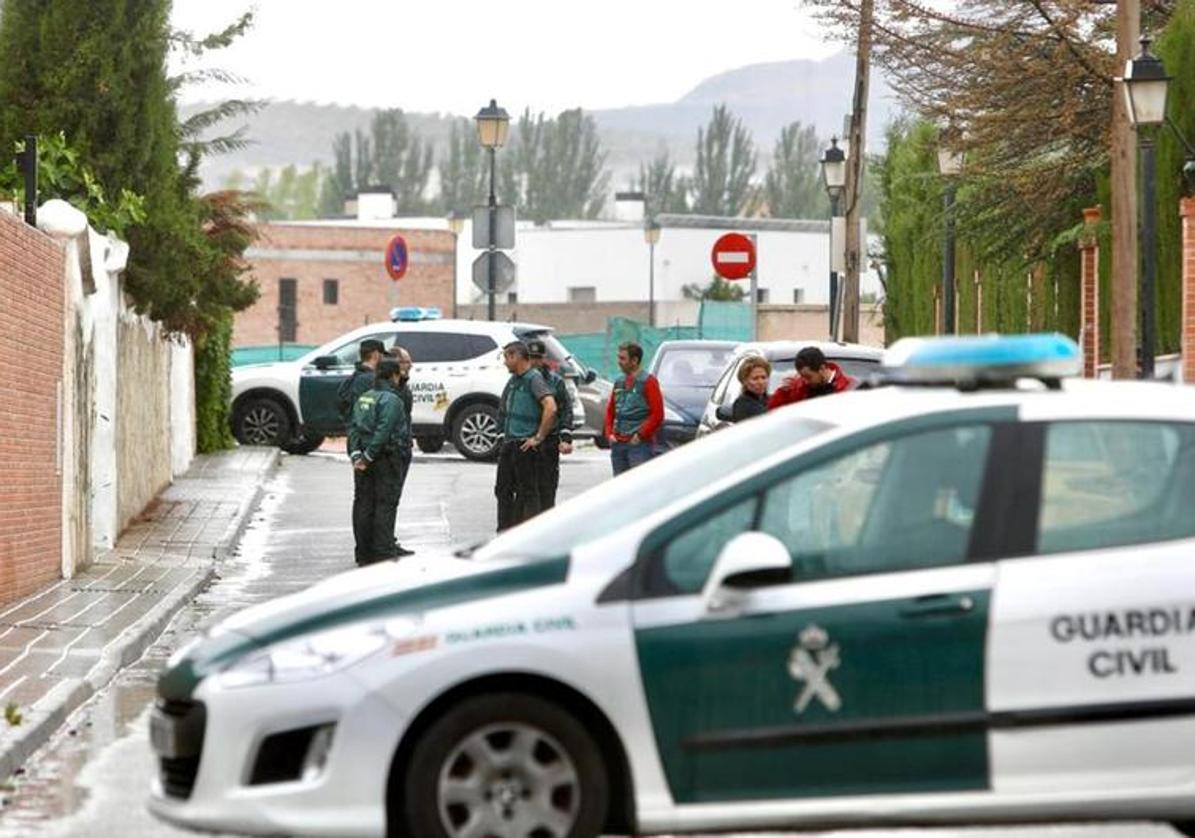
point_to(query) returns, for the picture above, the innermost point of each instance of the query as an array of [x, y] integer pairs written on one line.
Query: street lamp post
[[950, 164], [651, 234], [456, 223], [1145, 85], [493, 124], [833, 165]]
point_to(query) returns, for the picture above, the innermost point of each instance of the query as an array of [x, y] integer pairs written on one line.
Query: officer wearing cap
[[380, 448], [359, 383], [526, 416], [560, 440]]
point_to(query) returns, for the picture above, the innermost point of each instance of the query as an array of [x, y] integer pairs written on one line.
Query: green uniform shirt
[[630, 404], [380, 424], [520, 411], [564, 405], [351, 389]]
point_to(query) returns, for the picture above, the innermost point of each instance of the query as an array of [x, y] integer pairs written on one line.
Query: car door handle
[[938, 605]]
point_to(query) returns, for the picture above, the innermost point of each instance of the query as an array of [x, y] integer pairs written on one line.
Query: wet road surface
[[93, 777]]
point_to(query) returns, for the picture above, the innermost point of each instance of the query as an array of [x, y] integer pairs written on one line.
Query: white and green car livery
[[906, 605]]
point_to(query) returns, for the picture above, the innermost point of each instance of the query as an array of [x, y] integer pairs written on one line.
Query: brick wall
[[354, 256], [32, 269], [1187, 210]]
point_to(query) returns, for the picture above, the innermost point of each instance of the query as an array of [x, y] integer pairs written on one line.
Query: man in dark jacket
[[815, 377], [403, 358], [560, 440], [527, 415], [359, 383], [379, 442]]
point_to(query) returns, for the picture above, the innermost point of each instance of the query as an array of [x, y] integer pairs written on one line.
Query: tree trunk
[[1123, 326], [856, 249]]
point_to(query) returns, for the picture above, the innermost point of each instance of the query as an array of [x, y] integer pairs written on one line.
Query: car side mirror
[[590, 376], [725, 413], [749, 560], [326, 362]]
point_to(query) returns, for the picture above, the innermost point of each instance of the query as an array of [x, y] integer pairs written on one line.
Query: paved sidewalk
[[59, 646]]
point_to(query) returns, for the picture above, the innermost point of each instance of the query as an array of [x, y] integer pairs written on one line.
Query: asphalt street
[[92, 778]]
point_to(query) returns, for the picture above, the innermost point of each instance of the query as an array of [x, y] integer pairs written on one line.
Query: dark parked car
[[688, 371]]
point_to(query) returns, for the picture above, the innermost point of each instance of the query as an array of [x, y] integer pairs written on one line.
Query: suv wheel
[[430, 444], [475, 432], [505, 764], [261, 421]]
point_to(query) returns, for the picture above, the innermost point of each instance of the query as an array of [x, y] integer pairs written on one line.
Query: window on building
[[761, 295], [288, 323], [331, 292], [584, 294], [512, 297], [798, 296]]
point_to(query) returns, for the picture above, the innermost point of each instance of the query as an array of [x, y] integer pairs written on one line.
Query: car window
[[1109, 484], [437, 347], [348, 354], [895, 505], [692, 367], [687, 559]]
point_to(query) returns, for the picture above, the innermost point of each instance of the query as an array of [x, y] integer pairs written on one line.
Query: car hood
[[689, 402], [378, 592]]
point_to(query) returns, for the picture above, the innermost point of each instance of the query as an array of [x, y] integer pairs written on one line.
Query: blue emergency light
[[985, 359], [408, 314]]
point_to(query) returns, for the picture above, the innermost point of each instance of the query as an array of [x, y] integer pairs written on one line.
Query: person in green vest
[[526, 416], [360, 382], [634, 413], [380, 449], [560, 440]]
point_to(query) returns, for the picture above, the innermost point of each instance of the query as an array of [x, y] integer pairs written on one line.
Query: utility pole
[[1123, 326], [854, 174]]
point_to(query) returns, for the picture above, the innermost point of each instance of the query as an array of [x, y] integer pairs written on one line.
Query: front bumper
[[222, 788]]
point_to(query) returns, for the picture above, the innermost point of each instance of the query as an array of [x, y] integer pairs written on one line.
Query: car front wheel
[[475, 432], [261, 421], [505, 764]]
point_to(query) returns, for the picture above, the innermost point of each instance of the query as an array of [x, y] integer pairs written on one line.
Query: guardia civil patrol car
[[456, 378], [965, 598]]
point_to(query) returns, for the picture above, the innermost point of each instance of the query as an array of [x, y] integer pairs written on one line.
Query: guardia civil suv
[[457, 379], [970, 599]]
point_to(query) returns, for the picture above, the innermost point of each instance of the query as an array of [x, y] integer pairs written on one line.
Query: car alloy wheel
[[478, 433], [509, 779], [261, 424]]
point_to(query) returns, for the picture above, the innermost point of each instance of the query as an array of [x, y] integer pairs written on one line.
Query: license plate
[[165, 735]]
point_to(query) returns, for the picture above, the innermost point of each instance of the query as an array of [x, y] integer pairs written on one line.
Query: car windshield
[[644, 490], [692, 366]]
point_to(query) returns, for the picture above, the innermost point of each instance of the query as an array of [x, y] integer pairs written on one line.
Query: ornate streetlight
[[833, 165], [493, 125]]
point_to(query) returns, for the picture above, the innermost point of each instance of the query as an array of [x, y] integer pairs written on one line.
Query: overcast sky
[[454, 55]]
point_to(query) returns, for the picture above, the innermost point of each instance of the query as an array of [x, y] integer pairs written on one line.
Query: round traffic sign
[[397, 258], [733, 256]]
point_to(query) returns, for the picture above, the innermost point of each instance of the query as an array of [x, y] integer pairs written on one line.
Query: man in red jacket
[[815, 377], [634, 413]]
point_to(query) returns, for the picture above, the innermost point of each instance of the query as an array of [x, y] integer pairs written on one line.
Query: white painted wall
[[182, 405], [613, 259]]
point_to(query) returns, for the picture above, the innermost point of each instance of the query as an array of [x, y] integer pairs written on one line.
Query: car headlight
[[315, 655]]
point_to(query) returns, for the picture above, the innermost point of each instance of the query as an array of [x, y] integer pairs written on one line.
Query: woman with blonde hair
[[753, 375]]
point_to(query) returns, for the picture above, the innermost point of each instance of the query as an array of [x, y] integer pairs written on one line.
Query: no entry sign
[[733, 256], [397, 258]]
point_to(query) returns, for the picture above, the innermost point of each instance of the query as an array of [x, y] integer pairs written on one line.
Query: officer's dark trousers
[[375, 506], [517, 486], [548, 471]]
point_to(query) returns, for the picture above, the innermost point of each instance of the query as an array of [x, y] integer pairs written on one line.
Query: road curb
[[49, 713]]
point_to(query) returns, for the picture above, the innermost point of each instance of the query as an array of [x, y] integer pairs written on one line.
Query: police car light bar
[[412, 313], [987, 359]]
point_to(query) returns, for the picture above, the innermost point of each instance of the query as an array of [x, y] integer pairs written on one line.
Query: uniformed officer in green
[[526, 415], [360, 382], [379, 446], [560, 440]]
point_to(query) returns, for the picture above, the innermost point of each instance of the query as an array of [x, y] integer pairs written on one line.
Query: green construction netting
[[268, 354], [716, 321]]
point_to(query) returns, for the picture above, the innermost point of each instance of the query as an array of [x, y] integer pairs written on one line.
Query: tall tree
[[463, 170], [555, 168], [725, 166], [793, 185], [665, 190], [390, 154]]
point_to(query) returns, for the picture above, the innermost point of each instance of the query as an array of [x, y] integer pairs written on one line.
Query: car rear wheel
[[430, 444], [475, 432], [261, 421], [505, 764]]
